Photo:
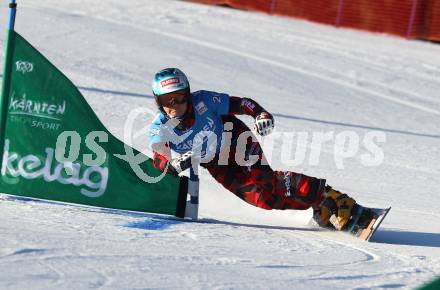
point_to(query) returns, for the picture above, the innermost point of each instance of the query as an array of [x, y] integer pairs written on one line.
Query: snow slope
[[313, 78]]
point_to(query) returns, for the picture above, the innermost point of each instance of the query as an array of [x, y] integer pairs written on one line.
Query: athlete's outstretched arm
[[264, 122], [244, 106]]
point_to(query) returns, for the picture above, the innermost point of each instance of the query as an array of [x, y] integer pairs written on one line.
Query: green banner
[[434, 285], [55, 147]]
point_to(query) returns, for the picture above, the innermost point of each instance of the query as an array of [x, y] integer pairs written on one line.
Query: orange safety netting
[[407, 18], [433, 20]]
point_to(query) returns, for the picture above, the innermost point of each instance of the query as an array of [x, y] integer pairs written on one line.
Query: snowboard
[[365, 221]]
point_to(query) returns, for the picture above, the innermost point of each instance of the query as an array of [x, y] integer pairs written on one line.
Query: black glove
[[181, 163]]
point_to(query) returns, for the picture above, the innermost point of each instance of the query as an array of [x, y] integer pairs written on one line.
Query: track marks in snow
[[289, 254], [302, 71], [344, 82], [28, 251], [359, 56]]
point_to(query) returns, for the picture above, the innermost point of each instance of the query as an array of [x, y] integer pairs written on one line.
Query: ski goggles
[[174, 99]]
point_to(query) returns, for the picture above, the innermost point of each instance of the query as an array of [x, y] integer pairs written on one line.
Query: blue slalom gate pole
[[192, 205], [12, 12], [7, 66]]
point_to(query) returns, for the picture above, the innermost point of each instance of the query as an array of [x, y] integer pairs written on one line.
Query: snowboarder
[[184, 115]]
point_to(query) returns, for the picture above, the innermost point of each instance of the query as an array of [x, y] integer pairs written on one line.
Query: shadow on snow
[[407, 238], [152, 221], [117, 93], [358, 126]]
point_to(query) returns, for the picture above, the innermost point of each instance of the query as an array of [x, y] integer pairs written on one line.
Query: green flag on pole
[[40, 106]]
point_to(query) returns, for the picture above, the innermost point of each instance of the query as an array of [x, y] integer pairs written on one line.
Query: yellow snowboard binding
[[335, 209]]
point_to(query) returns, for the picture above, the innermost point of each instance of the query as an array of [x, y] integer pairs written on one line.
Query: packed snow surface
[[313, 78]]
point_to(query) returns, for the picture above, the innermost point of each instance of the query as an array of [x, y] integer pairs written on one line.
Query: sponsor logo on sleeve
[[201, 108], [248, 104]]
